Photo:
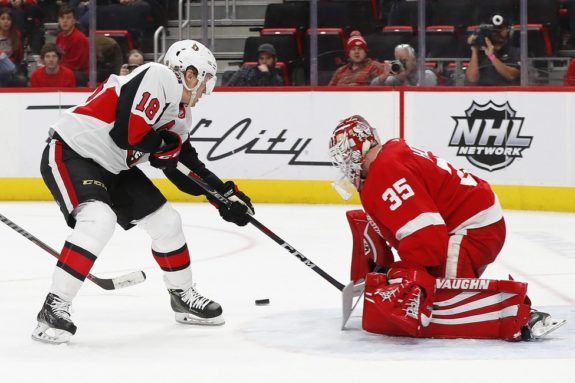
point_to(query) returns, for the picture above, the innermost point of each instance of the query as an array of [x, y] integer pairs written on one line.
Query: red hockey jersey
[[417, 200]]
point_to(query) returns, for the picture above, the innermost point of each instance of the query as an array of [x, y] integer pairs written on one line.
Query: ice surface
[[130, 335]]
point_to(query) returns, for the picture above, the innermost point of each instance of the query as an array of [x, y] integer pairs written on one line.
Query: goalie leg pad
[[369, 248], [466, 308], [398, 303], [479, 309]]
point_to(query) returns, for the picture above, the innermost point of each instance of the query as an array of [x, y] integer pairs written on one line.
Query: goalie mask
[[349, 143], [185, 53]]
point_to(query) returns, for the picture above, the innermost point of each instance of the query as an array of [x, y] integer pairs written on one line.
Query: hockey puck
[[262, 302]]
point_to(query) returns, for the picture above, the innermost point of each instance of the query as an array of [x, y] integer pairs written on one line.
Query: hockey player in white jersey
[[89, 165]]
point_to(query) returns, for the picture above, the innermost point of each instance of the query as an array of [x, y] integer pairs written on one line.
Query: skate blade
[[47, 334], [186, 318], [545, 329]]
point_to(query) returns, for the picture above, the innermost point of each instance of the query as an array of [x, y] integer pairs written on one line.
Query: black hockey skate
[[193, 308], [539, 325], [54, 323]]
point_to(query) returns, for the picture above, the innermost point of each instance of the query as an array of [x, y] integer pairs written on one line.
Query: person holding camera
[[493, 60], [360, 70], [135, 59], [403, 70]]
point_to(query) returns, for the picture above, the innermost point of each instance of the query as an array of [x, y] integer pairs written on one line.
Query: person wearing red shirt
[[52, 74], [569, 78], [443, 222], [360, 70], [74, 44]]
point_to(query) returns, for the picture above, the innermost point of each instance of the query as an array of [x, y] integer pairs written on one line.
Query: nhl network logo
[[489, 136]]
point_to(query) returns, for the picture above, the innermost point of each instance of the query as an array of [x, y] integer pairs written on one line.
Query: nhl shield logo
[[489, 135]]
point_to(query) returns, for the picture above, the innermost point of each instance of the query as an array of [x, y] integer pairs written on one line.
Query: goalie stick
[[120, 282], [355, 290], [348, 291]]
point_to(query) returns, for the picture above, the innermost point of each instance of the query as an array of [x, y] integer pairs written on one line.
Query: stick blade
[[120, 282], [350, 291]]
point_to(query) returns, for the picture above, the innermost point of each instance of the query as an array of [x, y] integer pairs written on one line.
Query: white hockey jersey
[[116, 126]]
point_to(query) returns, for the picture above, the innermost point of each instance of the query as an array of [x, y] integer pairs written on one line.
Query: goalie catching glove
[[240, 208], [399, 303], [166, 157]]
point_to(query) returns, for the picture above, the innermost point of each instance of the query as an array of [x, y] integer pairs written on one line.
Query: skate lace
[[60, 308], [194, 299]]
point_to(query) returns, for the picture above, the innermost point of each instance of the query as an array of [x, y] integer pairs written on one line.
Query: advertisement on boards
[[240, 135], [281, 136], [506, 138], [26, 118]]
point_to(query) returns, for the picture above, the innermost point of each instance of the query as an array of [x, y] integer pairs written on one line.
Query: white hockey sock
[[164, 226], [181, 279], [95, 223], [64, 285]]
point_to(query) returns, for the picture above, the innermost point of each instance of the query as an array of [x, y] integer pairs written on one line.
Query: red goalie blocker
[[462, 308]]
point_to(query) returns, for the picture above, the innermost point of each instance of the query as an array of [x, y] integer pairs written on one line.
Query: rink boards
[[274, 143]]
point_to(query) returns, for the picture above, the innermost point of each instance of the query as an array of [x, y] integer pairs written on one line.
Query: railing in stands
[[183, 23], [160, 31]]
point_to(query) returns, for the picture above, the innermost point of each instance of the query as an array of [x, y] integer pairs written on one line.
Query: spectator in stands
[[158, 13], [262, 74], [493, 60], [52, 74], [135, 59], [360, 70], [28, 17], [403, 70], [570, 5], [82, 12], [131, 15], [74, 44], [569, 78], [11, 51], [109, 57], [50, 9]]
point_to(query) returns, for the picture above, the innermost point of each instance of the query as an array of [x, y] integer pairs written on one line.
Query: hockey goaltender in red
[[446, 226]]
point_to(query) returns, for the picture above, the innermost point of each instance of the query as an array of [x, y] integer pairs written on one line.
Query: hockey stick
[[348, 292], [122, 281], [355, 291], [214, 193]]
